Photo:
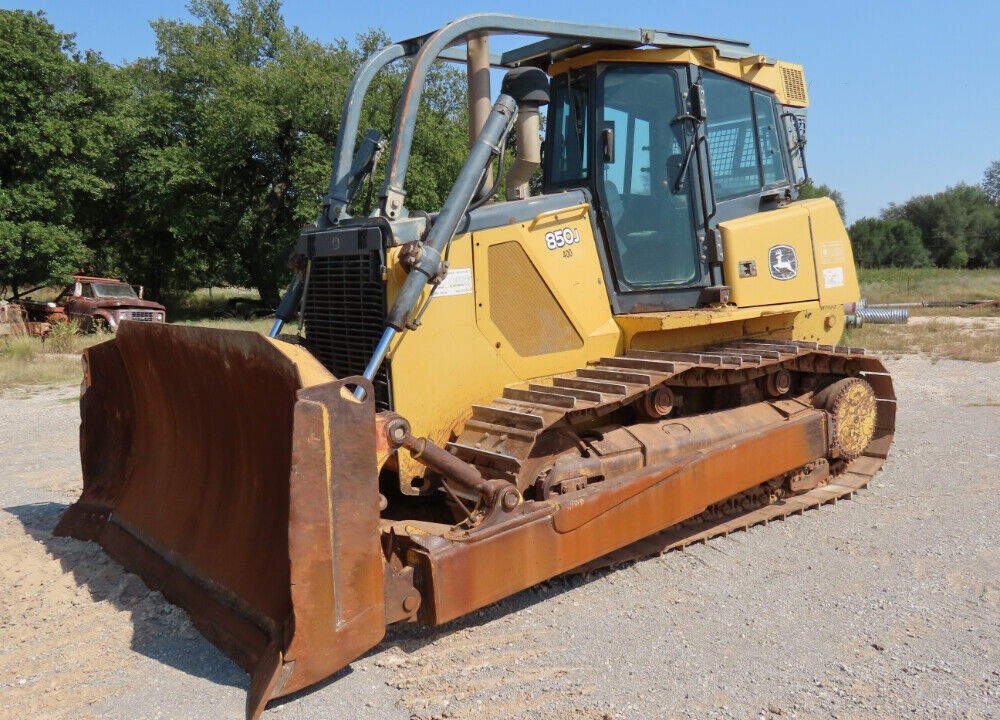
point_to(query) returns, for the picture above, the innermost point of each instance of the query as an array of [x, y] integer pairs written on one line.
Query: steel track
[[500, 437]]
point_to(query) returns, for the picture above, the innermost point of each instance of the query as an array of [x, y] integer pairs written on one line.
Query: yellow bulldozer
[[633, 350]]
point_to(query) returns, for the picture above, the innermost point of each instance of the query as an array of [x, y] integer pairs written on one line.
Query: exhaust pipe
[[531, 86]]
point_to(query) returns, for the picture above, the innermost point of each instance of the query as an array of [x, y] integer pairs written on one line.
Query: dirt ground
[[887, 605]]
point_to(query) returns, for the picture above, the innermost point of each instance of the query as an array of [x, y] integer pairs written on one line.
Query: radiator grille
[[345, 309]]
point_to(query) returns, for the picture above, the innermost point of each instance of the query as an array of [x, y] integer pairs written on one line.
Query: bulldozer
[[633, 350]]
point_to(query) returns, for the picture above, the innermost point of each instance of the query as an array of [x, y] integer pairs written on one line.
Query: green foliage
[[440, 141], [887, 243], [198, 166], [960, 227], [62, 339], [50, 137], [991, 182], [809, 191], [228, 148]]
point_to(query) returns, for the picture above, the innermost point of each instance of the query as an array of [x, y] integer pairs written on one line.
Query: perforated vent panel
[[794, 82], [523, 308]]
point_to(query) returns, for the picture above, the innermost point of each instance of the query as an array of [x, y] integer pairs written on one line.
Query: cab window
[[640, 150], [569, 118], [744, 151]]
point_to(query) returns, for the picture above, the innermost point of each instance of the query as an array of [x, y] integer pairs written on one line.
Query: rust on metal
[[254, 502], [237, 495]]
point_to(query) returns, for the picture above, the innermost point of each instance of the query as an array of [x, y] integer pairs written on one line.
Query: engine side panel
[[768, 257], [511, 308]]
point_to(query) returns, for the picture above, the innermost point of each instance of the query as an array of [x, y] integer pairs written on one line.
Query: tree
[[809, 191], [235, 122], [887, 243], [991, 182], [959, 226], [51, 144]]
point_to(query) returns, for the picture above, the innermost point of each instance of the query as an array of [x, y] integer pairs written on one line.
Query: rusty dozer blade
[[237, 476]]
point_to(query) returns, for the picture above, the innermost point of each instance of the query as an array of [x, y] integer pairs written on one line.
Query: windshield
[[114, 290], [651, 212]]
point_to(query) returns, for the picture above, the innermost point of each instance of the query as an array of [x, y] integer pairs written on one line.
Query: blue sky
[[905, 96]]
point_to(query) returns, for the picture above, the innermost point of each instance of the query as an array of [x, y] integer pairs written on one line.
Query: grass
[[23, 362], [205, 304], [27, 361], [940, 332], [938, 338], [898, 285], [261, 325]]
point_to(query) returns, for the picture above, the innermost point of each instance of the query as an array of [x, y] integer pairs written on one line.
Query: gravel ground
[[887, 605]]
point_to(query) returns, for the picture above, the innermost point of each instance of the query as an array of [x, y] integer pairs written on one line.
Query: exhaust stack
[[531, 87]]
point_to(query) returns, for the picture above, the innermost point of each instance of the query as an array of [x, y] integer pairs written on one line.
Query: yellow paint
[[757, 70], [752, 240], [571, 272], [822, 247], [446, 365], [683, 329], [458, 357], [835, 274], [311, 371]]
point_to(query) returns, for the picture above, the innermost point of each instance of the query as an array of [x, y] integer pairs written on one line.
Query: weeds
[[940, 332], [261, 325], [42, 369], [955, 338], [198, 305], [63, 338], [19, 348]]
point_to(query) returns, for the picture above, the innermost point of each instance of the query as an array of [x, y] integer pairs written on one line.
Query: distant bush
[[887, 243], [959, 227]]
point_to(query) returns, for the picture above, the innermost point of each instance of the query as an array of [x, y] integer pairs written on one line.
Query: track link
[[499, 438]]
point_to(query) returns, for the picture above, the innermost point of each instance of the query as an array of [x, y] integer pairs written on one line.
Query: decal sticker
[[782, 262], [833, 277], [561, 238], [458, 281], [831, 253]]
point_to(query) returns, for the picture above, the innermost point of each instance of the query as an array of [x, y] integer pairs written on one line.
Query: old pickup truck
[[97, 304]]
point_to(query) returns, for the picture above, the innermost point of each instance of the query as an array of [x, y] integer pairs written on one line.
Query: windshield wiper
[[697, 118]]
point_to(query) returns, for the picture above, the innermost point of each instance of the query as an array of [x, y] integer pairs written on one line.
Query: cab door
[[640, 156]]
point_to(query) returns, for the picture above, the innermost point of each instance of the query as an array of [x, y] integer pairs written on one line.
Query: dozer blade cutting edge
[[237, 476]]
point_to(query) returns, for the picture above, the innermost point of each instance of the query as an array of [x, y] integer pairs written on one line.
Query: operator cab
[[668, 151]]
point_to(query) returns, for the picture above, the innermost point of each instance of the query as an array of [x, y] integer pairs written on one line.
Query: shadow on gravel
[[161, 631], [164, 632], [412, 637]]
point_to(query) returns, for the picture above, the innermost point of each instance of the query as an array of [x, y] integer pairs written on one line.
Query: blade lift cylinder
[[429, 265]]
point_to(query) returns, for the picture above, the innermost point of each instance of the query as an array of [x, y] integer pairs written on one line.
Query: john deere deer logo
[[782, 262]]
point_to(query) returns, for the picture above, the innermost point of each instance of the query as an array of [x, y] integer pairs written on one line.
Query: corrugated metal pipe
[[857, 314], [890, 316]]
